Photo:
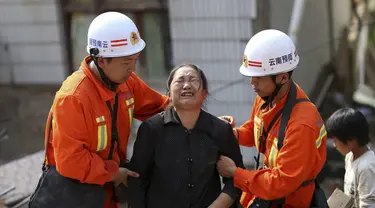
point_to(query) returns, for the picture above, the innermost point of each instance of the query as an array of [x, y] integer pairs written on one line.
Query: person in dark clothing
[[176, 151]]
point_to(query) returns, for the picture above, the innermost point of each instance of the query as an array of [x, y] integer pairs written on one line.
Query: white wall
[[213, 34], [313, 38], [31, 29]]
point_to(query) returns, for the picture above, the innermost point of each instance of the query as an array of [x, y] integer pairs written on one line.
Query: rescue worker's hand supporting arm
[[229, 119], [122, 176], [230, 148], [70, 142], [141, 162], [244, 134], [226, 166], [148, 102], [293, 166], [223, 201]]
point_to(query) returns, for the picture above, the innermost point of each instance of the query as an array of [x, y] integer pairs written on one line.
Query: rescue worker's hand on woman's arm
[[226, 166], [223, 201], [229, 119], [122, 176], [245, 132], [232, 122]]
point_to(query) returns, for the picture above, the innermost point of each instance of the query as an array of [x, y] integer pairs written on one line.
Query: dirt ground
[[23, 114]]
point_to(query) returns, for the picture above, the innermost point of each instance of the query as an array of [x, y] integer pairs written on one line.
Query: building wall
[[213, 34], [30, 42], [313, 38]]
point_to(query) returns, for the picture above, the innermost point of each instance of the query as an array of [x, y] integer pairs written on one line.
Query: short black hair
[[347, 124], [290, 74]]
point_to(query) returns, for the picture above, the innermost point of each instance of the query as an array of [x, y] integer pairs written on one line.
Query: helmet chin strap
[[109, 83], [268, 99]]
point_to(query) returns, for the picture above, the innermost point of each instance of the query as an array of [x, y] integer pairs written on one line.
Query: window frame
[[137, 8]]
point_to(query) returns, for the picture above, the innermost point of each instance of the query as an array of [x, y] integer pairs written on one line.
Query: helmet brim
[[137, 49], [247, 73]]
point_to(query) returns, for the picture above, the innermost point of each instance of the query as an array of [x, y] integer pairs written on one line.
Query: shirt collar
[[279, 102], [204, 121]]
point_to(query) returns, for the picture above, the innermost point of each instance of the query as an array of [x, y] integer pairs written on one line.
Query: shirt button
[[191, 185], [190, 159]]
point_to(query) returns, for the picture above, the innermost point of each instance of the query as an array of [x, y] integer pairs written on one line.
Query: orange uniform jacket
[[301, 158], [81, 128]]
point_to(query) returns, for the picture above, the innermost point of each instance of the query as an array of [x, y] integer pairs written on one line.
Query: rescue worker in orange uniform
[[104, 94], [269, 60]]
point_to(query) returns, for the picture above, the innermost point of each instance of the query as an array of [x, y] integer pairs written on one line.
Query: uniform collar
[[204, 121], [104, 92], [279, 102]]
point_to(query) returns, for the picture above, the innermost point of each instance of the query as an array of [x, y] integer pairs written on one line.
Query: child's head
[[349, 129]]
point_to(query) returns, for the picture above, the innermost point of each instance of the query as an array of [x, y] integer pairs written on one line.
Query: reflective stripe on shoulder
[[322, 134], [273, 154], [130, 110], [102, 134]]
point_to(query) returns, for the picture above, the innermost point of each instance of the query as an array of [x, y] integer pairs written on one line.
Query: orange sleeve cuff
[[240, 132], [242, 179], [112, 168], [245, 136]]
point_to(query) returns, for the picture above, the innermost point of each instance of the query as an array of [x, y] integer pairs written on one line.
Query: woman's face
[[186, 90]]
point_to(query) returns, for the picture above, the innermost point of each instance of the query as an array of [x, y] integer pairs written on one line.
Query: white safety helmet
[[269, 52], [114, 35]]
